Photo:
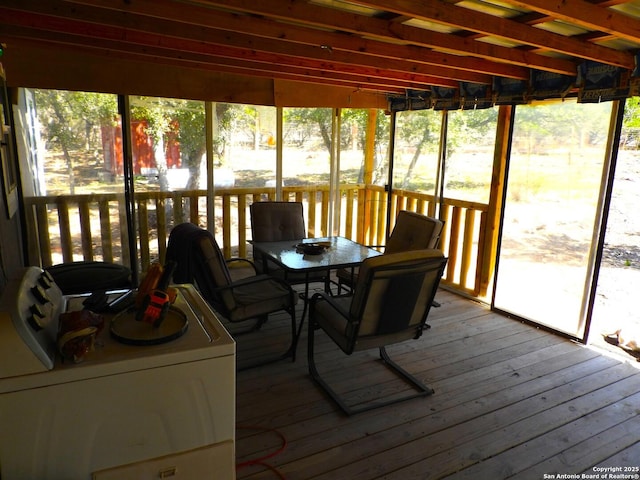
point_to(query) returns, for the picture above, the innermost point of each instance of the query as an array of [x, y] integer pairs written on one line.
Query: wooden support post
[[364, 227], [489, 239]]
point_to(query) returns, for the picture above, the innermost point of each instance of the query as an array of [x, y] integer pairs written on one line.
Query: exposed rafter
[[384, 46]]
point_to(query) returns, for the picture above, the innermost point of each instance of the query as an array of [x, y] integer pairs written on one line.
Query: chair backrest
[[275, 221], [200, 261], [414, 231], [393, 295]]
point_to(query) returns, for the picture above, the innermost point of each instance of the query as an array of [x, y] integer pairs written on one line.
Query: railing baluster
[[242, 226], [325, 228], [401, 204], [161, 222], [381, 224], [44, 237], [467, 245], [454, 244], [444, 236], [105, 230], [348, 221], [65, 231], [311, 226], [371, 231], [85, 230], [124, 233], [483, 272], [226, 225], [194, 208], [178, 211], [143, 233]]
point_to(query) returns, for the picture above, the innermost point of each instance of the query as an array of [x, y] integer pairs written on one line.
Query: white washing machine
[[136, 410]]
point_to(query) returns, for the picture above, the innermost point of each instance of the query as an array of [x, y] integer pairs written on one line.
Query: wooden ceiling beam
[[300, 12], [286, 32], [58, 47], [106, 39], [324, 42], [173, 34]]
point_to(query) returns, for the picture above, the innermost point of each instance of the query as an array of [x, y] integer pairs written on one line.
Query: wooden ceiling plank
[[463, 18], [588, 15], [535, 18]]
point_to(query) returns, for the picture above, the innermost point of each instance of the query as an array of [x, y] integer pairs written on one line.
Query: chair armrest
[[245, 260], [323, 296], [255, 279]]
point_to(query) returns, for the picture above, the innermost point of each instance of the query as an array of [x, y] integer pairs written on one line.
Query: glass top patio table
[[341, 252]]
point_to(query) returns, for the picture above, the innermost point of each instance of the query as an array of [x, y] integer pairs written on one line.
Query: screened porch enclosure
[[353, 170], [207, 162]]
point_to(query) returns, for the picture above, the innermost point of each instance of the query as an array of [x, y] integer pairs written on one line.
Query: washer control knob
[[37, 318], [39, 294], [45, 281], [48, 276]]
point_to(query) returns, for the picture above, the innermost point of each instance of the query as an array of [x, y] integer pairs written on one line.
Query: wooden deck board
[[520, 458], [510, 400]]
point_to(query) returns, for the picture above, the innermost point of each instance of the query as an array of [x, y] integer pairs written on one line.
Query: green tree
[[244, 119], [563, 122], [190, 125], [420, 128], [69, 121], [305, 121], [354, 131], [95, 110], [631, 123], [182, 120], [632, 113]]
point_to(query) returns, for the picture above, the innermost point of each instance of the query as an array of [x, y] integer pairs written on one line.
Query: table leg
[[305, 298]]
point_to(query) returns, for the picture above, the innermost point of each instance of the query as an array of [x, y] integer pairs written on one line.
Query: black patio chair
[[391, 300], [200, 261], [412, 231], [276, 221]]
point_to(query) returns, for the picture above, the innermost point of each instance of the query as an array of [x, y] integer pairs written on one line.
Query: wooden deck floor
[[511, 401]]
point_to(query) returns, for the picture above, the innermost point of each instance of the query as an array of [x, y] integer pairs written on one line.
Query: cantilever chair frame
[[435, 263], [218, 296]]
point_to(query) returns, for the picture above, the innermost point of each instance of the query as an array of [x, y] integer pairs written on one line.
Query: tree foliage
[[303, 123], [178, 120], [421, 130], [68, 121], [632, 113], [71, 121]]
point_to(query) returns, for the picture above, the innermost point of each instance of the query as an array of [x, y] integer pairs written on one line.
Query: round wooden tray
[[126, 329]]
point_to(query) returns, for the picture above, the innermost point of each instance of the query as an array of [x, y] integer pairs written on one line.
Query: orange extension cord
[[261, 460]]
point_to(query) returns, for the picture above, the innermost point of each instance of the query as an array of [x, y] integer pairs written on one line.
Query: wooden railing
[[69, 228], [462, 239]]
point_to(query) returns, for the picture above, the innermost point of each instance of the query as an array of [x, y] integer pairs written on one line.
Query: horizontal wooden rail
[[68, 228]]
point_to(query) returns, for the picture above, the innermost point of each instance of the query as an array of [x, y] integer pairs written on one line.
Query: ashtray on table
[[312, 248]]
